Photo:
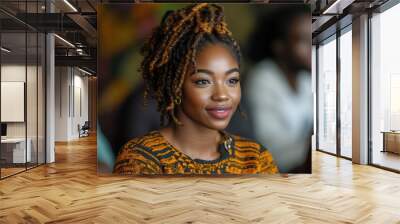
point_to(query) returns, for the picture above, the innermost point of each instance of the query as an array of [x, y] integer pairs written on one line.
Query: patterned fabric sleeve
[[136, 160], [267, 163]]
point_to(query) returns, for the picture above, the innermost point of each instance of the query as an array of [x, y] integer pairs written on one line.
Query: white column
[[50, 93], [314, 95], [360, 90]]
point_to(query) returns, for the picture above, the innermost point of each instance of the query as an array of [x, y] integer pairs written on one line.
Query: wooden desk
[[391, 141], [13, 150]]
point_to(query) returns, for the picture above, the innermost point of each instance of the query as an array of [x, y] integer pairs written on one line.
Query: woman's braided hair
[[170, 52]]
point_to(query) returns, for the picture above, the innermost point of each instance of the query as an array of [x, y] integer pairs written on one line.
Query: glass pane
[[386, 89], [327, 96], [31, 100], [41, 98], [13, 89], [346, 94]]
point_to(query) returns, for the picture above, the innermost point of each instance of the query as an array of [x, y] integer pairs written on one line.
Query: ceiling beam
[[82, 61], [337, 7], [84, 24]]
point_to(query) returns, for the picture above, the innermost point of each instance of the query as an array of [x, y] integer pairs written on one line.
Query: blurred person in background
[[278, 88]]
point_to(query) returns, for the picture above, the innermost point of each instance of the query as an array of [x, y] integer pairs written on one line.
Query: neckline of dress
[[221, 149]]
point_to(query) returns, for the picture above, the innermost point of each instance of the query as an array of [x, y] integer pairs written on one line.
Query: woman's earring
[[228, 144], [178, 100]]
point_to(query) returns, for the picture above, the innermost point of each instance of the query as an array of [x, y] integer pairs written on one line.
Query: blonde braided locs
[[170, 52]]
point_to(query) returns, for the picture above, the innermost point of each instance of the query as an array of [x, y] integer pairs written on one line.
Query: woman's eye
[[233, 81], [202, 82]]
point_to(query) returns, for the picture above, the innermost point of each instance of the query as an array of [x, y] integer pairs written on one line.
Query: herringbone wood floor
[[70, 191]]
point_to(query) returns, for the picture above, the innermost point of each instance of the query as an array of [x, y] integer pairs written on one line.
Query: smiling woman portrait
[[191, 67]]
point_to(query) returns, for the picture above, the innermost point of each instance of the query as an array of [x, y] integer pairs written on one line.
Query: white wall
[[61, 103], [16, 73], [71, 94], [33, 126], [13, 73]]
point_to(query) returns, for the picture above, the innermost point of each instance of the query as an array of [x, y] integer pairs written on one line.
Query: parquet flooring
[[9, 171], [70, 191], [387, 159]]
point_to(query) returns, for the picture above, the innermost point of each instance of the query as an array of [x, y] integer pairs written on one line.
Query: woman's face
[[211, 96]]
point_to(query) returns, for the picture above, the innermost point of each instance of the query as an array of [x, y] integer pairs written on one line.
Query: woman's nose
[[220, 93]]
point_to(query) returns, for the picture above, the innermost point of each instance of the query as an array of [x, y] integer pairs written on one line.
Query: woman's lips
[[219, 113]]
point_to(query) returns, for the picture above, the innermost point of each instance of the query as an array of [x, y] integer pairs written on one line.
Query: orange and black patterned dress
[[152, 154]]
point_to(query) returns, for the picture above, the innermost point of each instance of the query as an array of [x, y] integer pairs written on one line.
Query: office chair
[[84, 130]]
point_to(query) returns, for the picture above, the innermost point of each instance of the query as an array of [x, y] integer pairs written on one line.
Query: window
[[385, 88], [22, 75], [327, 95], [346, 92]]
